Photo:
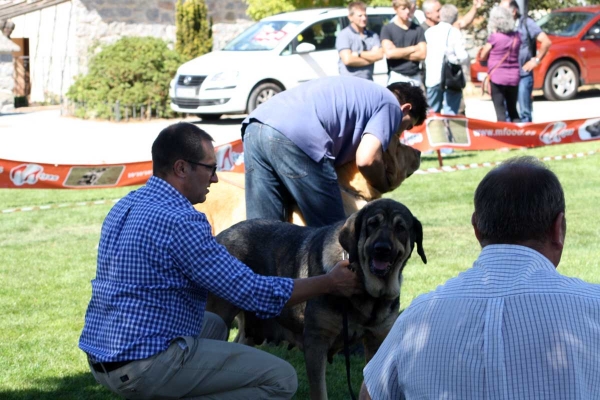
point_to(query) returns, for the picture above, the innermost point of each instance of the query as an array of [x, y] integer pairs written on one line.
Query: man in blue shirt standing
[[358, 47], [146, 332], [529, 57], [510, 327], [294, 141]]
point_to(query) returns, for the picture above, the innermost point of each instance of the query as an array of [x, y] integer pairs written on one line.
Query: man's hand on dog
[[339, 281], [344, 281]]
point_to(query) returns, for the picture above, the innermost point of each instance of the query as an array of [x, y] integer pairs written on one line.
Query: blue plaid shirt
[[511, 327], [157, 261]]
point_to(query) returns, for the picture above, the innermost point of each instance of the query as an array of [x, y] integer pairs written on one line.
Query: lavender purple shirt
[[507, 73]]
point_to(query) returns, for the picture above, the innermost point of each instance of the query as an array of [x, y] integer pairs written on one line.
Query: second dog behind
[[226, 204]]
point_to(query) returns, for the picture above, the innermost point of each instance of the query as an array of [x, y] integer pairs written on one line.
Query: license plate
[[481, 76], [185, 92]]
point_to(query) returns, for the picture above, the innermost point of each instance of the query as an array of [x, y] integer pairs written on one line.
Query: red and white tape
[[464, 167], [55, 206]]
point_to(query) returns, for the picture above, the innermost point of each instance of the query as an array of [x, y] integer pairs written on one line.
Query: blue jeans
[[525, 101], [279, 174], [448, 101]]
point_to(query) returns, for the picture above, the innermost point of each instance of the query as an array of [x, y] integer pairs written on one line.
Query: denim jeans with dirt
[[279, 174]]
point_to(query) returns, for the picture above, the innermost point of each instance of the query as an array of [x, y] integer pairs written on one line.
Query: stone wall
[[162, 11], [7, 83], [224, 32], [227, 11], [133, 11]]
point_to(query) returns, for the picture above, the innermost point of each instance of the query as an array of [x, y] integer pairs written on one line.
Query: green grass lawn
[[47, 259]]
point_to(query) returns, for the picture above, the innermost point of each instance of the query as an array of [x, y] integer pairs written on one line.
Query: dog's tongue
[[380, 265]]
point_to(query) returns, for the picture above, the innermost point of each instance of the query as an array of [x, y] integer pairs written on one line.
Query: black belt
[[109, 366]]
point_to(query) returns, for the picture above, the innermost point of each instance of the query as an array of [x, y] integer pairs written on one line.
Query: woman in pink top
[[502, 53]]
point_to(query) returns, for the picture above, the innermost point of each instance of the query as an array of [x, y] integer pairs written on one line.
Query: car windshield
[[264, 35], [564, 23]]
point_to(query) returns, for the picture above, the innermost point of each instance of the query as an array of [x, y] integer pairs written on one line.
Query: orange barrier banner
[[30, 175], [471, 134], [437, 132]]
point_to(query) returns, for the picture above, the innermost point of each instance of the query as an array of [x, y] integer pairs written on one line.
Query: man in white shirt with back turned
[[510, 327]]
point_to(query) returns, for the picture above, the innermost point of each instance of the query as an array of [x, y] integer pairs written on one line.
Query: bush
[[134, 71], [194, 29], [259, 9]]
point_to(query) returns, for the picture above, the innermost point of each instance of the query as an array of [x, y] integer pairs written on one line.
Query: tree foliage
[[134, 70], [193, 29]]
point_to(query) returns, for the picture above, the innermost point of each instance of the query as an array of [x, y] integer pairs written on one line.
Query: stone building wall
[[62, 38], [7, 83]]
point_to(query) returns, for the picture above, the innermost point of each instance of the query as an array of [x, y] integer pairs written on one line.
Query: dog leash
[[347, 349], [345, 256]]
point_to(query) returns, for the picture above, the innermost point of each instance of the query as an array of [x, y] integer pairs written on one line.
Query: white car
[[275, 54]]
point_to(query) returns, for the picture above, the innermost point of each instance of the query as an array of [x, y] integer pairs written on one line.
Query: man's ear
[[406, 107], [474, 223], [559, 230], [180, 168]]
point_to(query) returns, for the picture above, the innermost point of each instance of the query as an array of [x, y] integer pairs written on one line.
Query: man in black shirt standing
[[404, 45]]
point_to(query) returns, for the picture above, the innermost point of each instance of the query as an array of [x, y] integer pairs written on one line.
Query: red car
[[574, 56]]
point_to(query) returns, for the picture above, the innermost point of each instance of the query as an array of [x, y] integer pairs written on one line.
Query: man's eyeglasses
[[213, 168]]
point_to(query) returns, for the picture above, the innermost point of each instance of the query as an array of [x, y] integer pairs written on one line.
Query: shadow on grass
[[74, 387], [584, 92]]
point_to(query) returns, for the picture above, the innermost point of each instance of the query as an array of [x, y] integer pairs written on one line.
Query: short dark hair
[[408, 93], [356, 4], [181, 141], [515, 6], [517, 201]]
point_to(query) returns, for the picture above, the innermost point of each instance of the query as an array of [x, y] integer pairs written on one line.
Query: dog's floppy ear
[[419, 239], [349, 235]]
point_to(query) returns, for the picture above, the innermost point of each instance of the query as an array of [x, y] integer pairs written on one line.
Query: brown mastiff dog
[[225, 205], [379, 240]]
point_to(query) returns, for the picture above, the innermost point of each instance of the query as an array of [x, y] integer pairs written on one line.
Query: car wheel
[[210, 117], [262, 93], [562, 81]]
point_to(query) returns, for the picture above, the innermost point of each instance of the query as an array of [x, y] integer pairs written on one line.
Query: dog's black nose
[[382, 248]]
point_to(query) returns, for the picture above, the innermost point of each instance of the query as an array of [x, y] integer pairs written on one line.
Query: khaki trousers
[[207, 367]]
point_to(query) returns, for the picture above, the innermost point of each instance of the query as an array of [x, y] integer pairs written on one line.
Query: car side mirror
[[592, 34], [305, 48]]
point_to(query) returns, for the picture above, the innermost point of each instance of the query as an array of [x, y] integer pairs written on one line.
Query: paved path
[[46, 137]]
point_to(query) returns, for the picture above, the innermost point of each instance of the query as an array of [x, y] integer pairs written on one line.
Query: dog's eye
[[399, 227]]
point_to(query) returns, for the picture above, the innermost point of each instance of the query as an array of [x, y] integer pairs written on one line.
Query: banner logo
[[555, 132], [227, 159], [30, 174], [410, 139]]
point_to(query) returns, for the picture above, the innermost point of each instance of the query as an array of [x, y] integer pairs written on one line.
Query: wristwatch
[[537, 60]]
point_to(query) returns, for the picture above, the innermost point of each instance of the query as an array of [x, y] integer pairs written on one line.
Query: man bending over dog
[[293, 142], [146, 331], [511, 327]]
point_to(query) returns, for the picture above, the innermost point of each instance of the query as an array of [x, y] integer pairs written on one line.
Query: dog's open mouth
[[379, 267]]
